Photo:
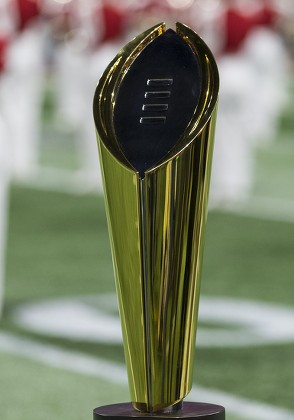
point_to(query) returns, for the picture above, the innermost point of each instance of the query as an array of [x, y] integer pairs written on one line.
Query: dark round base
[[190, 410]]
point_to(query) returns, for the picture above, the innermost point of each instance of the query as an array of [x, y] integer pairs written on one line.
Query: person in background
[[5, 36], [23, 85], [4, 195], [251, 62], [88, 39]]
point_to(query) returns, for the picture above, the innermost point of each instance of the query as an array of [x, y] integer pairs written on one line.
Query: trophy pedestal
[[190, 410]]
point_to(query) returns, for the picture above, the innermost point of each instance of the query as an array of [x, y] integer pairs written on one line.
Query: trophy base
[[190, 410]]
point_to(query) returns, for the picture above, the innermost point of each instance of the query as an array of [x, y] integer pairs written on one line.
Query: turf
[[30, 391], [249, 258], [58, 246]]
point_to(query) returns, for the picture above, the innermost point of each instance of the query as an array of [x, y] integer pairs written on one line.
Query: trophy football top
[[156, 100]]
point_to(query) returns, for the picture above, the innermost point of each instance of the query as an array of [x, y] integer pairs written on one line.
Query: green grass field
[[58, 249]]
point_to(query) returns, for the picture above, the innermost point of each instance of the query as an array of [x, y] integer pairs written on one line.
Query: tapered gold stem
[[156, 223]]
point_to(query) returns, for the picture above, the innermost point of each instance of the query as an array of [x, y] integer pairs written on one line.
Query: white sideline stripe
[[63, 359], [116, 373], [75, 182], [268, 208], [79, 182], [255, 323], [250, 409]]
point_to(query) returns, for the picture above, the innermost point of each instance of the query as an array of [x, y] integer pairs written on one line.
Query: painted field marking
[[78, 183], [77, 362], [241, 322], [268, 208]]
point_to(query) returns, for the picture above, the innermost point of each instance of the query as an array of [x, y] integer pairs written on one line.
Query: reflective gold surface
[[156, 226]]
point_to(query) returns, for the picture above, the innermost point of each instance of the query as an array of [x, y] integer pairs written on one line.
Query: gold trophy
[[155, 111]]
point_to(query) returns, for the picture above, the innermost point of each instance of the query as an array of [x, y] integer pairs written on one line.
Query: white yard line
[[242, 407], [63, 359], [268, 208], [115, 373], [254, 323], [75, 182], [79, 182]]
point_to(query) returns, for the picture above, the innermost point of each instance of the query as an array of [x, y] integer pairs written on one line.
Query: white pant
[[4, 183]]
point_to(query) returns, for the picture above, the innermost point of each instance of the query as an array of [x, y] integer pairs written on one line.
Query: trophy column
[[154, 110]]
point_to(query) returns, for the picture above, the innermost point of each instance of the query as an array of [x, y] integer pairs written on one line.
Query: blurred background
[[60, 343]]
